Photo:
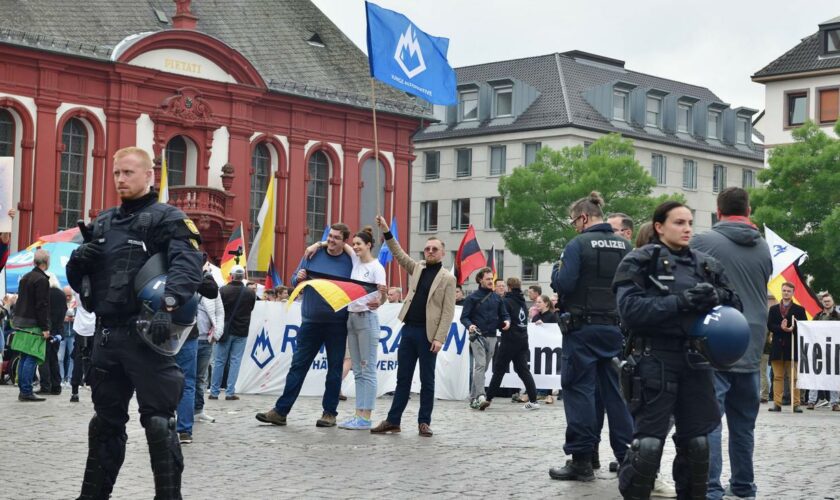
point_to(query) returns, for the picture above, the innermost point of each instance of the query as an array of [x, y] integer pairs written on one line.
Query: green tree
[[535, 219], [800, 200]]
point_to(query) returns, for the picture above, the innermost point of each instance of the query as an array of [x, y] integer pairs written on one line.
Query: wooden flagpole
[[792, 363]]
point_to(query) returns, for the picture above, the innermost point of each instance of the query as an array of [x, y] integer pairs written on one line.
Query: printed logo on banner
[[262, 353], [408, 49], [779, 249]]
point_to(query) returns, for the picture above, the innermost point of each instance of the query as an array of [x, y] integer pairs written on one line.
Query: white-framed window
[[261, 167], [689, 174], [503, 101], [743, 130], [460, 214], [747, 178], [490, 205], [531, 149], [832, 41], [432, 167], [428, 216], [71, 187], [317, 196], [468, 105], [7, 133], [464, 162], [530, 271], [685, 118], [621, 101], [497, 160], [653, 111], [719, 179], [713, 128], [658, 168]]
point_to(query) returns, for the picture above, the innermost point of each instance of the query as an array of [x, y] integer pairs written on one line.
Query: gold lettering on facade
[[185, 66]]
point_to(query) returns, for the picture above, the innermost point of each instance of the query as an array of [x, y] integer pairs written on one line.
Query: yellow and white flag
[[262, 247], [163, 193]]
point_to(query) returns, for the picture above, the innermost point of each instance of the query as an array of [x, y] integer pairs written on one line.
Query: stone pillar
[[47, 165], [296, 205]]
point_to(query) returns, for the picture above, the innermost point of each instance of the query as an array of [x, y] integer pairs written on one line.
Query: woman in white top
[[363, 327]]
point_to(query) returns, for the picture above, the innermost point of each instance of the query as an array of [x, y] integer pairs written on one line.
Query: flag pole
[[375, 147], [792, 363]]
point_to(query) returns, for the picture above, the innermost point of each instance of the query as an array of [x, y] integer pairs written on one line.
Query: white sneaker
[[821, 404], [663, 489], [203, 417], [531, 406]]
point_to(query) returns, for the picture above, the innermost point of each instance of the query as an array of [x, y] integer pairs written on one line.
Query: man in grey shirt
[[738, 245]]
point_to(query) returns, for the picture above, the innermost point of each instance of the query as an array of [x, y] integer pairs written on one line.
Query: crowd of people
[[617, 303]]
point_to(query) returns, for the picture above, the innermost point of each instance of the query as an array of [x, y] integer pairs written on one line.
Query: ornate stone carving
[[186, 106]]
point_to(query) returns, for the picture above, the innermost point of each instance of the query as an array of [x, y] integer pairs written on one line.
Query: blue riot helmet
[[721, 336], [149, 285]]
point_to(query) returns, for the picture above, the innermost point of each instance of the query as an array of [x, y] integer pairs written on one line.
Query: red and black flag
[[272, 278], [469, 257], [337, 292]]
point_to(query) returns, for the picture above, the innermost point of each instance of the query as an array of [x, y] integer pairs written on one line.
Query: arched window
[[261, 166], [71, 190], [317, 202], [7, 133], [367, 201], [176, 161]]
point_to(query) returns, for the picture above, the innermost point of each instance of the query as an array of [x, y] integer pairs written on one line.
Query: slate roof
[[805, 56], [271, 34], [562, 79]]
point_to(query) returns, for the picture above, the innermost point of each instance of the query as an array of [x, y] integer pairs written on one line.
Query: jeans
[[65, 357], [202, 363], [414, 346], [26, 373], [738, 396], [310, 338], [363, 341], [229, 350], [186, 359], [482, 350]]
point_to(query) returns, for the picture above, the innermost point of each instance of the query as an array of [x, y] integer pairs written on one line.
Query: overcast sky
[[717, 44]]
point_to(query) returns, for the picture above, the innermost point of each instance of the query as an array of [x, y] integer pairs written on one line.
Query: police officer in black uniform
[[102, 270], [591, 338], [661, 289]]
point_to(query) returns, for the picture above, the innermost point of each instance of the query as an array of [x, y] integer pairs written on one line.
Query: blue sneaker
[[357, 424], [348, 422]]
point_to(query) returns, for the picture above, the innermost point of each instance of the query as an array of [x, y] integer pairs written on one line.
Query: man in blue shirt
[[320, 326]]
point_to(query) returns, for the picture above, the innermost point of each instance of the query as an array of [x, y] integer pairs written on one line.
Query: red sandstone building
[[228, 92]]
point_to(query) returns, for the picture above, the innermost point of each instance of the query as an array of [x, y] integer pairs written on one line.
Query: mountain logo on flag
[[408, 48], [262, 353]]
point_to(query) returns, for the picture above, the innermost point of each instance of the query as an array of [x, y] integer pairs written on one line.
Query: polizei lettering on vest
[[609, 244]]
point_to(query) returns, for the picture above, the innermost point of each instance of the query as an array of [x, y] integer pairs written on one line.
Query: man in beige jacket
[[427, 316]]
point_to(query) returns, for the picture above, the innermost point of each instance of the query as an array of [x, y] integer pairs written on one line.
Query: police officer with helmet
[[592, 338], [662, 289], [135, 334]]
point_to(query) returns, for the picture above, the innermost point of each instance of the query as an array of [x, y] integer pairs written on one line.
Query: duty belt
[[641, 343], [115, 322], [579, 320]]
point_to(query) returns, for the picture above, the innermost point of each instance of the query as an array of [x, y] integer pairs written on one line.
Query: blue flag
[[406, 58], [326, 233], [385, 255]]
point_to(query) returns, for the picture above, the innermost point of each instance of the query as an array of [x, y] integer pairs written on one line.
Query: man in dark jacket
[[781, 321], [483, 311], [49, 371], [239, 301], [32, 321], [737, 244]]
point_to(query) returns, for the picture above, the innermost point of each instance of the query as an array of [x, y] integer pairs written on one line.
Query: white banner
[[819, 355], [272, 342], [7, 178]]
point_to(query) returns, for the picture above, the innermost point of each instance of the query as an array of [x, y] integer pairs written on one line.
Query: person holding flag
[[784, 353]]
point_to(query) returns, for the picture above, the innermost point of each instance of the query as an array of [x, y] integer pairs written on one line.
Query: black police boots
[[106, 452], [165, 453], [579, 468]]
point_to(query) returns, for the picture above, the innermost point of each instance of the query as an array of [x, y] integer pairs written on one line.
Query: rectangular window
[[497, 160], [468, 105], [620, 102], [586, 146], [828, 105], [464, 167], [658, 168], [747, 178], [743, 130], [504, 101], [714, 129], [653, 111], [530, 271], [428, 216], [432, 165], [531, 149], [685, 120], [490, 205], [832, 41], [460, 214], [797, 108], [689, 174], [719, 179]]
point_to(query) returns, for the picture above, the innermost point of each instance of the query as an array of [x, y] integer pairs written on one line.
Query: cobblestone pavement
[[502, 452]]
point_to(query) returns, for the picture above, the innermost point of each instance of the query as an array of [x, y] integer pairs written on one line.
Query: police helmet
[[721, 336], [149, 285]]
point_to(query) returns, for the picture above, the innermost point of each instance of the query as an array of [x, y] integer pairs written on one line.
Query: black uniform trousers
[[81, 361], [123, 363], [512, 349], [48, 372]]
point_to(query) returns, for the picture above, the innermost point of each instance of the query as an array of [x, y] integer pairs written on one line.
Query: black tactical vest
[[600, 254]]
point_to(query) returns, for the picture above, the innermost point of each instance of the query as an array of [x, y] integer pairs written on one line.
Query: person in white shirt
[[211, 324]]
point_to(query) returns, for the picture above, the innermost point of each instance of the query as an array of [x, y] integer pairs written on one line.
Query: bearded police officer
[[592, 338], [127, 353]]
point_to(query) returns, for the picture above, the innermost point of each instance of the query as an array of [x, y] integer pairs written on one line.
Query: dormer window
[[468, 104], [503, 100], [743, 131], [714, 130], [653, 111], [621, 104], [832, 41], [685, 117]]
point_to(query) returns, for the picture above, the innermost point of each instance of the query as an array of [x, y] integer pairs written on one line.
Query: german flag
[[802, 293], [468, 258], [234, 253], [337, 292]]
